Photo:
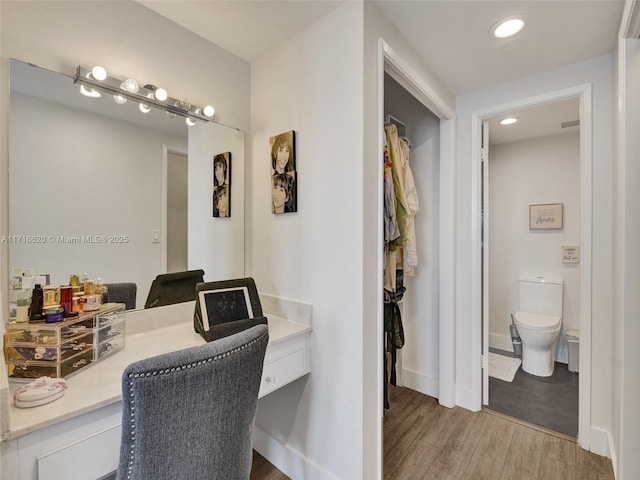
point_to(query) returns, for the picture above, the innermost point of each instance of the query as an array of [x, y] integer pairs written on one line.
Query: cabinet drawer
[[91, 457], [281, 371], [284, 348]]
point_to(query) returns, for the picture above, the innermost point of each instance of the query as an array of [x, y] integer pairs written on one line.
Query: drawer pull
[[269, 379]]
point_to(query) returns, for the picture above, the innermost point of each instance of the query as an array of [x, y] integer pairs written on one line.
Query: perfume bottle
[[22, 308], [37, 302]]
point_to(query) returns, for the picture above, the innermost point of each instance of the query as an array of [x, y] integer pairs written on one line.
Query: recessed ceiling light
[[507, 27], [508, 121]]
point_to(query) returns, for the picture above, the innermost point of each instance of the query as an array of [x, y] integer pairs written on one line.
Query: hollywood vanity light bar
[[96, 80]]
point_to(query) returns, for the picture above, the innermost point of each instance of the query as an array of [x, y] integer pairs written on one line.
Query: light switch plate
[[155, 236]]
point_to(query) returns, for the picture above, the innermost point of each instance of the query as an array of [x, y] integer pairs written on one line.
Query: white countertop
[[100, 385]]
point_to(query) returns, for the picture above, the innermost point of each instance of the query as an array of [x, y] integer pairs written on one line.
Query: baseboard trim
[[288, 460], [420, 382], [501, 342], [600, 442], [613, 456], [464, 399]]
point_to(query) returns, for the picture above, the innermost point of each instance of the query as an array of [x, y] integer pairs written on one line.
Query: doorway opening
[[443, 385], [531, 211], [480, 262], [174, 210]]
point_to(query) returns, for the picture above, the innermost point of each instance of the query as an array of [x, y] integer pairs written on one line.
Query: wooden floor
[[423, 440], [261, 469]]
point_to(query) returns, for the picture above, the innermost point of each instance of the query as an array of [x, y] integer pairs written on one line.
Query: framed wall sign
[[545, 216]]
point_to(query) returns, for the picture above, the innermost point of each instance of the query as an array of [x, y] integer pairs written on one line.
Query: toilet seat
[[537, 321]]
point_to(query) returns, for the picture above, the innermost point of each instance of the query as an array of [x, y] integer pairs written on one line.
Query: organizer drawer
[[283, 370]]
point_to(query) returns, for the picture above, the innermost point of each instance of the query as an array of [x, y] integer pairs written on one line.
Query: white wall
[[625, 382], [216, 244], [75, 173], [596, 71], [420, 303], [124, 37], [539, 170], [377, 26], [312, 84]]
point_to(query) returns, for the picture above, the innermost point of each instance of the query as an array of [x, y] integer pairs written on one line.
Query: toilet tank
[[541, 295]]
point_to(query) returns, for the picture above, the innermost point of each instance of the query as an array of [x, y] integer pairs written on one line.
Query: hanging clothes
[[391, 230], [398, 182], [393, 255], [410, 250], [393, 336]]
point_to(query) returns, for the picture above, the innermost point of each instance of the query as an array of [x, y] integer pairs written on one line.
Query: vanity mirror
[[99, 187]]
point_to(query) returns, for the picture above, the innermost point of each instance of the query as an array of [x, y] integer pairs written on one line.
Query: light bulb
[[99, 73], [119, 99], [209, 111], [189, 122], [161, 94], [144, 108], [89, 92], [130, 85], [508, 28], [508, 121]]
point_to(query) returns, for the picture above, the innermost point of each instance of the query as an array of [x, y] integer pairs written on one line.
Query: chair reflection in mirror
[[124, 292], [176, 287]]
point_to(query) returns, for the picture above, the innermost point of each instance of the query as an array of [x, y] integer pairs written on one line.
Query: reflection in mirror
[[95, 186]]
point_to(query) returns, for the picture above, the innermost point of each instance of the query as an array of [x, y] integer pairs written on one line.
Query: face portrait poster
[[222, 169], [283, 173], [283, 193], [222, 185], [283, 156]]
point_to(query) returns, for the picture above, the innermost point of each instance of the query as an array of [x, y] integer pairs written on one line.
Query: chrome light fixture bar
[[147, 95]]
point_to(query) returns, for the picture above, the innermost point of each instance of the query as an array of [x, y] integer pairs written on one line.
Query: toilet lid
[[537, 320]]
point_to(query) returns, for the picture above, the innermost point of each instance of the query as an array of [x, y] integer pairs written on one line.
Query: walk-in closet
[[419, 129]]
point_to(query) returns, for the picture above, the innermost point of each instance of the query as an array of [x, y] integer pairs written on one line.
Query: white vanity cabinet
[[78, 436]]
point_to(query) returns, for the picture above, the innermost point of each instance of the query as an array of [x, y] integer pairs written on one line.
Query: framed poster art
[[546, 216], [283, 153], [222, 169], [222, 185], [284, 193]]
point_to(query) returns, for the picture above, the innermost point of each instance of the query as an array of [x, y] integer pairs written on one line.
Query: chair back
[[189, 414], [125, 292]]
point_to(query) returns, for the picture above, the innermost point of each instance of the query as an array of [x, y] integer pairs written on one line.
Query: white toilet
[[539, 321]]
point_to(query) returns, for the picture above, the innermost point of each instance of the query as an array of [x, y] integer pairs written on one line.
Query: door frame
[[584, 93], [166, 150], [393, 64]]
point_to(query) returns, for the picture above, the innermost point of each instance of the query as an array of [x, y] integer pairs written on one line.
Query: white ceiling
[[452, 37], [246, 28], [535, 122]]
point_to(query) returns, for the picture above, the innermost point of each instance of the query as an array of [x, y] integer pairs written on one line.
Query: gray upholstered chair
[[123, 293], [189, 414]]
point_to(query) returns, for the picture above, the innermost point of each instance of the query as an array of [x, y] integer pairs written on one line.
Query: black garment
[[394, 335]]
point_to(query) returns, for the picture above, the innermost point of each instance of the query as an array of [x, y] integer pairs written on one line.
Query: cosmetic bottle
[[37, 302], [102, 290], [22, 309]]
